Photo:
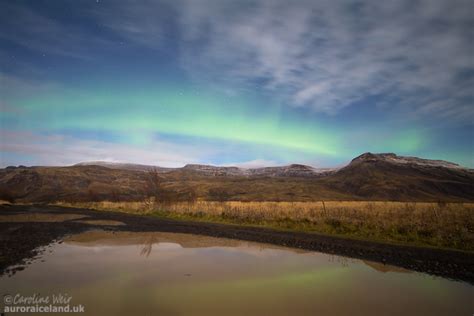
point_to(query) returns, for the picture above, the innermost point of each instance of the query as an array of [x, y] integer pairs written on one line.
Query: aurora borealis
[[246, 83]]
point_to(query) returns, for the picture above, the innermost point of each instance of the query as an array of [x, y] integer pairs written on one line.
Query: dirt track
[[25, 229]]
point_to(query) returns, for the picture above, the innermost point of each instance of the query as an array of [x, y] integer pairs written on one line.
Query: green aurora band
[[182, 115]]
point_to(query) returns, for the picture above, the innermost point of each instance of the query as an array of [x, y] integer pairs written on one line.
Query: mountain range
[[369, 176], [293, 170]]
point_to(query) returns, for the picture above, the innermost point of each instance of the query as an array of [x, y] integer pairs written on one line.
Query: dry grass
[[448, 225]]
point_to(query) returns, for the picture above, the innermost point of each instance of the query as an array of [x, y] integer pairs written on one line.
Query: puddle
[[126, 273]]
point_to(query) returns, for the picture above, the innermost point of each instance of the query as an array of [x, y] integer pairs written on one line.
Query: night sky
[[248, 83]]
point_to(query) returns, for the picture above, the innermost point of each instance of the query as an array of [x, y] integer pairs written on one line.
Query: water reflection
[[146, 241], [148, 245], [178, 274]]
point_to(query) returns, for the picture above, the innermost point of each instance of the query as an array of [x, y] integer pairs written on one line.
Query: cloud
[[141, 22], [57, 149], [256, 163], [328, 55]]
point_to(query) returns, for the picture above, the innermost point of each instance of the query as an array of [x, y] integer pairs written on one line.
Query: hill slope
[[391, 177]]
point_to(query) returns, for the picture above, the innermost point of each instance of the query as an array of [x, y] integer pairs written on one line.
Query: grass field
[[445, 225]]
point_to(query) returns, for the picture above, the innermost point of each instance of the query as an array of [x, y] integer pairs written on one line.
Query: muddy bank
[[26, 231]]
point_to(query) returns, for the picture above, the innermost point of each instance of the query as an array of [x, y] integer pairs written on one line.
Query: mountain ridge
[[391, 157], [365, 157]]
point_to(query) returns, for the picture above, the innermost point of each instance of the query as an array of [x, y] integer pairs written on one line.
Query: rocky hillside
[[294, 170]]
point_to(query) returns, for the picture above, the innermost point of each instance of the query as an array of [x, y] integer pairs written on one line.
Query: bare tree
[[157, 190]]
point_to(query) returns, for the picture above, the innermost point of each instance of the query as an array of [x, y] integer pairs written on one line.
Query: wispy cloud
[[328, 55], [142, 22]]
